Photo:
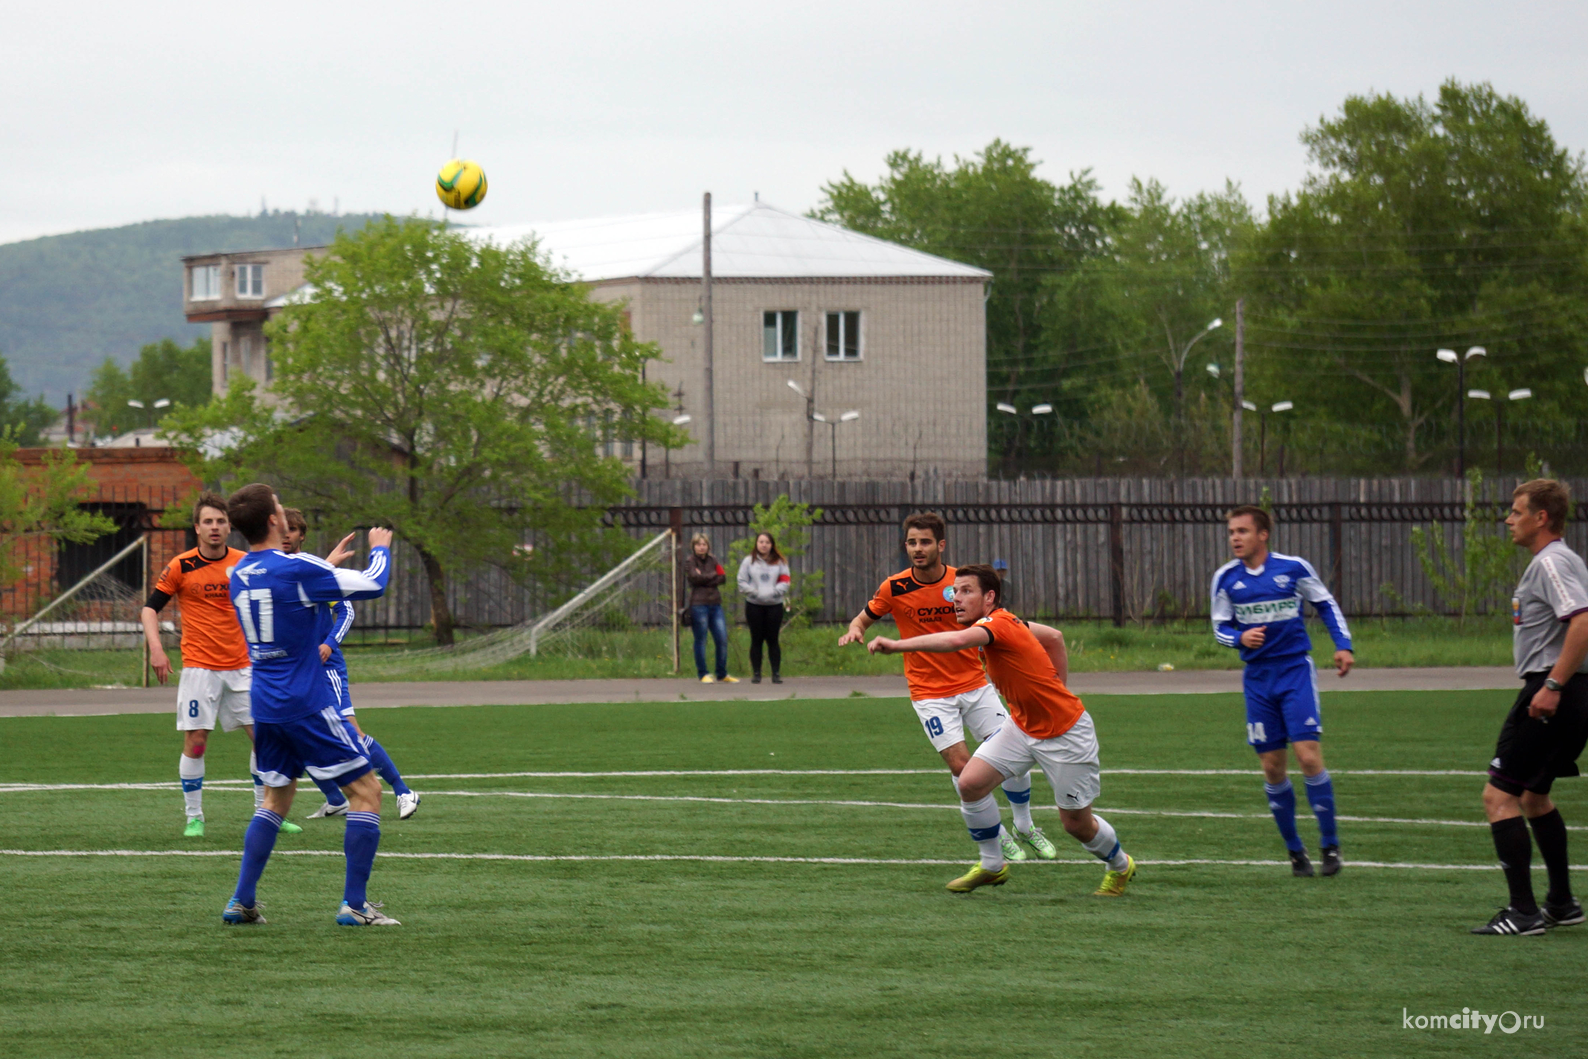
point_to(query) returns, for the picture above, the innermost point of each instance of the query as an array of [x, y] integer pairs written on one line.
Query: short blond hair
[[700, 538]]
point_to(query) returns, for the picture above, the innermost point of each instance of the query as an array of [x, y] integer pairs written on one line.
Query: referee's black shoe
[[1509, 921], [1300, 866], [1331, 861], [1568, 914]]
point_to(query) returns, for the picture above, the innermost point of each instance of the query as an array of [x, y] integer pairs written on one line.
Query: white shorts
[[1070, 761], [204, 696], [946, 720]]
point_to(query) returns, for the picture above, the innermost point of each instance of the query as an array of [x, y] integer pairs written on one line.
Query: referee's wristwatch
[[1552, 684]]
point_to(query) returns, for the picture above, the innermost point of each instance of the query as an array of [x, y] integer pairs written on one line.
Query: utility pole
[[705, 309], [1240, 387]]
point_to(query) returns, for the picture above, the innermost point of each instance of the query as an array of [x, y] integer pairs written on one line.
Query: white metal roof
[[747, 241]]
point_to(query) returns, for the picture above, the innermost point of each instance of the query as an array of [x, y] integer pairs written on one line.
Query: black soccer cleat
[[1300, 866], [1567, 914], [1510, 921], [1331, 861]]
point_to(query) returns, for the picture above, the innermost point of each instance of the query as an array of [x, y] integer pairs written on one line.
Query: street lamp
[[832, 425], [1521, 394], [1449, 356]]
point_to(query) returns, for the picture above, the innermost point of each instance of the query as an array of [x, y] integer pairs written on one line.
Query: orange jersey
[[919, 610], [211, 636], [1023, 673]]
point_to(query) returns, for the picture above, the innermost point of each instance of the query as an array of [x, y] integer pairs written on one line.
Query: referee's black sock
[[1515, 848], [1549, 831]]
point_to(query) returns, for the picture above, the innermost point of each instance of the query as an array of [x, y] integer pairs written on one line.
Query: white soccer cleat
[[369, 916], [407, 805], [329, 810]]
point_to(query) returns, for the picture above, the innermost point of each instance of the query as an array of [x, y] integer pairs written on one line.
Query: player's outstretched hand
[[1254, 637], [1343, 661], [343, 551], [882, 646], [851, 636], [380, 537]]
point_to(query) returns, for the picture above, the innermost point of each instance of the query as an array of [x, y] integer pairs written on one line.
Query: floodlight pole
[[1236, 461], [705, 308]]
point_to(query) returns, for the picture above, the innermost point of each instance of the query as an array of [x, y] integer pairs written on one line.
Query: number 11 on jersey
[[264, 629]]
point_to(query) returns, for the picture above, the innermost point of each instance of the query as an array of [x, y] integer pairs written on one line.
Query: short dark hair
[[250, 509], [1548, 496], [209, 499], [295, 519], [985, 576], [926, 520], [1260, 518]]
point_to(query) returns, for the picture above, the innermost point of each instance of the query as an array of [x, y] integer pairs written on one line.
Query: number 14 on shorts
[[1255, 733]]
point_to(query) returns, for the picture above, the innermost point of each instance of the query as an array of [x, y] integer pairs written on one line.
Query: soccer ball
[[461, 184]]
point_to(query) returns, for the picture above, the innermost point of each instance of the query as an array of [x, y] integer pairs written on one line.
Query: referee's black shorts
[[1533, 752]]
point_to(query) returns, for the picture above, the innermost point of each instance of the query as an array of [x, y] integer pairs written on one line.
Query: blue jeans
[[700, 617]]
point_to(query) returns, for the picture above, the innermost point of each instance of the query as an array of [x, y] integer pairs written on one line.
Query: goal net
[[637, 593]]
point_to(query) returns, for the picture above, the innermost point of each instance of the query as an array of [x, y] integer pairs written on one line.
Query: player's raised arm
[[937, 642], [323, 583], [1052, 641]]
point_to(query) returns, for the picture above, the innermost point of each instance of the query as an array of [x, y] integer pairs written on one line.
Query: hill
[[69, 301]]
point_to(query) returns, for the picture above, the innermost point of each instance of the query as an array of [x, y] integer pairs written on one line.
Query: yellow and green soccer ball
[[461, 184]]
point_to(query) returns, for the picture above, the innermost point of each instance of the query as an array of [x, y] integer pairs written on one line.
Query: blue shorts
[[341, 687], [1282, 703], [319, 744]]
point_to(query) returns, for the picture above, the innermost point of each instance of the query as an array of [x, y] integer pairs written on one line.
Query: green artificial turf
[[126, 956]]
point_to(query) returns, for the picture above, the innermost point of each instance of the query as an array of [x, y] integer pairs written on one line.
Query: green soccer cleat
[[195, 827], [290, 828], [1114, 882], [979, 876], [1012, 849], [1034, 838]]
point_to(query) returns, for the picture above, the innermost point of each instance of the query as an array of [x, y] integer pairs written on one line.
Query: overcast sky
[[116, 113]]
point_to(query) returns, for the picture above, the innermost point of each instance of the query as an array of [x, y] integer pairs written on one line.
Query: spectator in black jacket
[[705, 575]]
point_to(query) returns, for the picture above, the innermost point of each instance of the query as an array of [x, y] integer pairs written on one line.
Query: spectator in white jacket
[[764, 582]]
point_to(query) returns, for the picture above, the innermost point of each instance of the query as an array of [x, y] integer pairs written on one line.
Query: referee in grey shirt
[[1545, 731]]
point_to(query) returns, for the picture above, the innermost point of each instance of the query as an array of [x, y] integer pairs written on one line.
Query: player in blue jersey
[[336, 620], [1257, 599], [296, 725]]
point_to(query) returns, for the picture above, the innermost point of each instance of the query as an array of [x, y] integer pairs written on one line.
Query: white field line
[[835, 802], [712, 859]]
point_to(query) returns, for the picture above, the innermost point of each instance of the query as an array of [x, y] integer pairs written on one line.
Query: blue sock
[[332, 792], [258, 841], [382, 762], [1320, 792], [359, 844], [1282, 803]]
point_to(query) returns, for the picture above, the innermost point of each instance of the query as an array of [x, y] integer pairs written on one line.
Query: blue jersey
[[1272, 596], [278, 599], [337, 621]]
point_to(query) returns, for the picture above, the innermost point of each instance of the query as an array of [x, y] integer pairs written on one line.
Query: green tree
[[163, 371], [1456, 222], [789, 524], [42, 500], [22, 419], [993, 211], [450, 389]]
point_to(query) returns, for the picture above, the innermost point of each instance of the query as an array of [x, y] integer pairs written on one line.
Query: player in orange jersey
[[950, 692], [216, 675], [1051, 728]]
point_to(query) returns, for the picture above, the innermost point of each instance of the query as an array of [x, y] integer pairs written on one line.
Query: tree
[[42, 501], [22, 420], [1453, 223], [789, 524], [993, 211], [451, 389], [162, 371]]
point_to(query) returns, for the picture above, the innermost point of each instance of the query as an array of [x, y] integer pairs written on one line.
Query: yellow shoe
[[729, 680], [979, 876], [708, 679], [1114, 882]]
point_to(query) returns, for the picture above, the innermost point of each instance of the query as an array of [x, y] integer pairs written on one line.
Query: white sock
[[191, 771], [982, 820], [1018, 791], [259, 784], [1105, 846]]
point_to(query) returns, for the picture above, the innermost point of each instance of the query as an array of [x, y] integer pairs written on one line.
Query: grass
[[813, 651], [125, 956]]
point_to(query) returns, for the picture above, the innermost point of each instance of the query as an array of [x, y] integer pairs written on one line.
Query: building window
[[843, 336], [204, 282], [780, 335], [245, 348], [250, 281]]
